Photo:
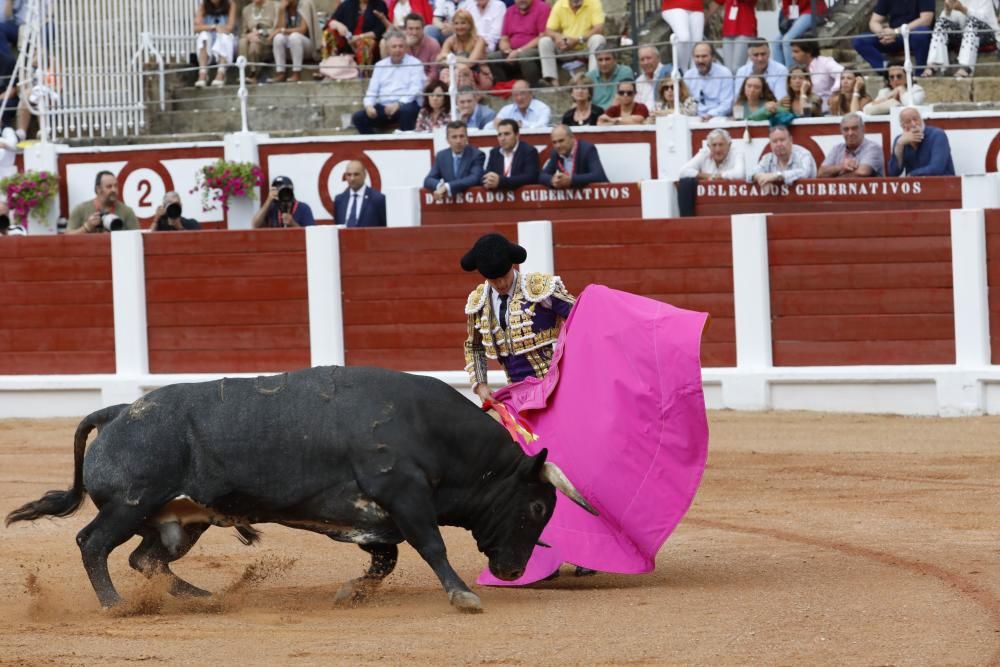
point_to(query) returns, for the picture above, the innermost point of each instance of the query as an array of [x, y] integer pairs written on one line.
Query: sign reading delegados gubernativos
[[860, 188], [534, 195]]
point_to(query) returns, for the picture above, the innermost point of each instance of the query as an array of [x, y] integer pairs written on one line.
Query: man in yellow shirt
[[573, 25]]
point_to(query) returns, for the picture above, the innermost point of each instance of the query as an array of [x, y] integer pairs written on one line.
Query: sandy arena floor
[[815, 539]]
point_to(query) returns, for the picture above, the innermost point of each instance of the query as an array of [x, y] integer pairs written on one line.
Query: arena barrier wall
[[889, 315]]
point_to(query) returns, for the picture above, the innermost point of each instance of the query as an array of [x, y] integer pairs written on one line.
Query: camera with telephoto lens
[[173, 211], [286, 197], [112, 222]]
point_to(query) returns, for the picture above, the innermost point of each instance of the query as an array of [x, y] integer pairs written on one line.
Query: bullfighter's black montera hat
[[493, 256]]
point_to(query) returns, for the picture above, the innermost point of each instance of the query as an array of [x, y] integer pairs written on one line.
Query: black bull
[[363, 455]]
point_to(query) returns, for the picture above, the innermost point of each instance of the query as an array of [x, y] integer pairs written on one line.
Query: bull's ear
[[538, 464]]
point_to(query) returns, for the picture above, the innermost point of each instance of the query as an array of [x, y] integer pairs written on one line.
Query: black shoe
[[585, 571]]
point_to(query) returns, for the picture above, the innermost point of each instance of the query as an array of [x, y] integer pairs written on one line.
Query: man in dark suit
[[456, 168], [358, 205], [513, 163], [574, 162]]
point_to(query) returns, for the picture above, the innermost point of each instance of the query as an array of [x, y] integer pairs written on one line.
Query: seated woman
[[436, 111], [293, 33], [755, 101], [799, 102], [214, 23], [469, 48], [665, 99], [824, 71], [583, 111], [625, 110], [894, 94], [355, 28], [965, 28], [852, 97]]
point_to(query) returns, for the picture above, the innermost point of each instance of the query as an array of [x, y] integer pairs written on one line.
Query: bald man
[[574, 162], [358, 205]]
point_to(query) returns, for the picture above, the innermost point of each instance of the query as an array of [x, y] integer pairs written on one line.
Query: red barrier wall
[[405, 293], [56, 312], [685, 262], [227, 301], [993, 279], [865, 289]]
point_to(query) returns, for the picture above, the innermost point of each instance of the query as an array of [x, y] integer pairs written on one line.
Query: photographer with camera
[[168, 216], [7, 225], [104, 213], [281, 209]]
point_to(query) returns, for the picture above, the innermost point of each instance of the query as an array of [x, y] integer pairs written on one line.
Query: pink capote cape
[[621, 412]]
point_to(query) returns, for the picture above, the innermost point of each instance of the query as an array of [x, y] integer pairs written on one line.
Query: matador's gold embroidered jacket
[[538, 307]]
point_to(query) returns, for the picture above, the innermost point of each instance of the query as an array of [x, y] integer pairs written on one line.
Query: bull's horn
[[543, 544], [554, 476]]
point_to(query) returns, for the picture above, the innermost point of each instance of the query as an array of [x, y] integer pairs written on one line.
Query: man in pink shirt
[[824, 71], [516, 56], [421, 46]]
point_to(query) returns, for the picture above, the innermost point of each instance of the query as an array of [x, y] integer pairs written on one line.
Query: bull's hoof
[[353, 592], [466, 601], [183, 589]]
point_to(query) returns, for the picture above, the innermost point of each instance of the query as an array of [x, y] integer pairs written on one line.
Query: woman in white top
[[716, 160], [977, 21]]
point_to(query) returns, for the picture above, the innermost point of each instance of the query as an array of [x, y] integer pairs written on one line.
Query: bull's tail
[[64, 503], [248, 535]]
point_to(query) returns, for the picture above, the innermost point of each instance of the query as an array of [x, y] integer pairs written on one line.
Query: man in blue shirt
[[281, 209], [886, 31], [710, 84], [394, 92], [921, 150]]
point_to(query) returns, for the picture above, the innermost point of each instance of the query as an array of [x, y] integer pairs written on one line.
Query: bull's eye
[[537, 509]]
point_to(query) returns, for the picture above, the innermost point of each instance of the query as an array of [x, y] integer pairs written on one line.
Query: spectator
[[574, 25], [853, 95], [358, 205], [857, 156], [259, 18], [710, 84], [665, 98], [9, 227], [715, 161], [512, 163], [470, 111], [894, 94], [168, 216], [739, 27], [607, 75], [965, 28], [885, 36], [760, 63], [420, 45], [281, 209], [89, 217], [824, 71], [574, 162], [488, 16], [8, 152], [800, 101], [625, 110], [436, 111], [651, 70], [755, 101], [468, 47], [921, 150], [355, 27], [394, 90], [786, 163], [214, 23], [294, 33], [517, 51], [458, 167], [794, 19], [686, 19], [583, 111], [441, 28], [400, 10], [525, 109]]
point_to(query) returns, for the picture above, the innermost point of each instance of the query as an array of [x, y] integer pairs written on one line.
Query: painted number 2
[[145, 190]]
